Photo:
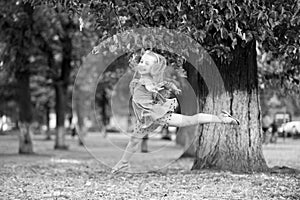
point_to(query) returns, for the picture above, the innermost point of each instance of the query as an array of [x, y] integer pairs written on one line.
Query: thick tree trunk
[[227, 147], [25, 113]]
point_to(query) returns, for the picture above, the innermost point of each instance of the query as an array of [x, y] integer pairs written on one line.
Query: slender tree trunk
[[60, 106], [82, 130], [61, 89], [227, 147], [48, 132], [25, 113], [79, 106], [1, 126]]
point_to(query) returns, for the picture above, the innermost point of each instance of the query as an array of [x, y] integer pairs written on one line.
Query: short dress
[[151, 109]]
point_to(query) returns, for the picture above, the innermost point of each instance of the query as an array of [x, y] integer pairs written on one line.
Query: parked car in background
[[282, 118], [290, 129]]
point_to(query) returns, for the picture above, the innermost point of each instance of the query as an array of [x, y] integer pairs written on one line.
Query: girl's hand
[[161, 84], [159, 88], [177, 91]]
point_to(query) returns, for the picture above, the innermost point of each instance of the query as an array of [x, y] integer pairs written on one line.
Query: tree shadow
[[284, 170], [12, 155]]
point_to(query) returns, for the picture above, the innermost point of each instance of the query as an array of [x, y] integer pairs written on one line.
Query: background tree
[[64, 45], [16, 34], [42, 47]]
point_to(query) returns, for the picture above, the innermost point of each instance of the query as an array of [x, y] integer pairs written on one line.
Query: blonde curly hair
[[157, 70]]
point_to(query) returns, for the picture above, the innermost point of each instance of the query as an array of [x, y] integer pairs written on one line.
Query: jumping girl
[[152, 109]]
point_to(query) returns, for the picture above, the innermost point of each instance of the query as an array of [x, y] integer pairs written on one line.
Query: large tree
[[229, 32]]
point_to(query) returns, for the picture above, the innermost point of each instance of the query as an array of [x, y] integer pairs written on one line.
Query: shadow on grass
[[36, 155], [284, 170]]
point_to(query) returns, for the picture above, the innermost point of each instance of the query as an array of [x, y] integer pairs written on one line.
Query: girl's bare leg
[[179, 120], [174, 119], [131, 148]]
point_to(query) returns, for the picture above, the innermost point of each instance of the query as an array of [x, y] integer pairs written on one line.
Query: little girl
[[152, 109]]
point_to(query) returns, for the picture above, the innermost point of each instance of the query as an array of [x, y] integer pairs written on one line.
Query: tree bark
[[234, 148]]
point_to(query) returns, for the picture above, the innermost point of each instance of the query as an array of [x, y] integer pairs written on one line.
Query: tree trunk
[[23, 95], [60, 106], [48, 132], [61, 88], [144, 144], [25, 113], [25, 141], [234, 148], [82, 130], [79, 105]]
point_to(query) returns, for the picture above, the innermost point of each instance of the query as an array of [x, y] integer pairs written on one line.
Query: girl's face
[[146, 63]]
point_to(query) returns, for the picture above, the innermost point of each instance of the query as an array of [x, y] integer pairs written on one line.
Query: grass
[[78, 174]]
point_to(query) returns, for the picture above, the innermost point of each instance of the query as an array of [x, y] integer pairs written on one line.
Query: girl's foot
[[120, 166], [227, 118]]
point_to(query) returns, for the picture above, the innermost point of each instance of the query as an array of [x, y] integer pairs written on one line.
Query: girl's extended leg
[[172, 119], [180, 120]]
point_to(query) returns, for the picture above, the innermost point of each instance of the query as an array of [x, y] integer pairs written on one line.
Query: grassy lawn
[[84, 172]]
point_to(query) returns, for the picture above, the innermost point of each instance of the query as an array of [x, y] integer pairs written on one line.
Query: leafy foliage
[[216, 25], [37, 44]]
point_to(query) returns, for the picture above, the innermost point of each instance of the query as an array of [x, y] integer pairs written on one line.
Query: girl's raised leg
[[180, 120]]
